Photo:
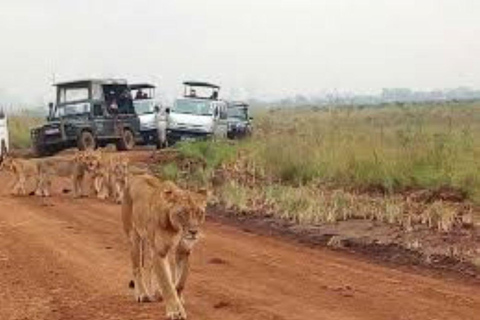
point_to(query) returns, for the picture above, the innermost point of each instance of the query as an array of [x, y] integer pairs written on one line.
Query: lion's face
[[120, 171], [191, 230], [90, 159], [191, 216]]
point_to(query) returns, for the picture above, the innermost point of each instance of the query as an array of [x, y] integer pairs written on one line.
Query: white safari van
[[197, 116], [3, 133]]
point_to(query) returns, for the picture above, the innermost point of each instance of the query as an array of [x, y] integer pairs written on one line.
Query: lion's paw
[[143, 298], [176, 312]]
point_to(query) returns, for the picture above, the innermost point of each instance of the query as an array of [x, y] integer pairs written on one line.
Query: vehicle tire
[[42, 151], [127, 141], [86, 141], [3, 148]]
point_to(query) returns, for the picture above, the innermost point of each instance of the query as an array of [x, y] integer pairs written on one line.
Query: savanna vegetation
[[19, 127], [320, 165], [317, 165]]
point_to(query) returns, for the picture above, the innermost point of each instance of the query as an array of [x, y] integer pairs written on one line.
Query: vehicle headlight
[[206, 128]]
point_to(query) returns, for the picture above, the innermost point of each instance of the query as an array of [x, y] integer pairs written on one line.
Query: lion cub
[[74, 168], [163, 221], [109, 176], [22, 169]]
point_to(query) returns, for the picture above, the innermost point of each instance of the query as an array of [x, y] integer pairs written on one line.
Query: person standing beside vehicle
[[162, 123]]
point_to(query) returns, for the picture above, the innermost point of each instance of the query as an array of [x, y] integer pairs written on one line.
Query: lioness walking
[[163, 221], [44, 170]]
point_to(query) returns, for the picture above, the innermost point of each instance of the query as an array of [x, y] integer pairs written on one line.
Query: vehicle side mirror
[[50, 111], [167, 110], [250, 118], [156, 109]]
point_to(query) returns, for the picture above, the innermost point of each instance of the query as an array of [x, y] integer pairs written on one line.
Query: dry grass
[[19, 128], [322, 166], [393, 148], [313, 206]]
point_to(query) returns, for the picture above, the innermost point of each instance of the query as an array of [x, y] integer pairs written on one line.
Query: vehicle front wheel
[[86, 141], [42, 151], [126, 142], [3, 148]]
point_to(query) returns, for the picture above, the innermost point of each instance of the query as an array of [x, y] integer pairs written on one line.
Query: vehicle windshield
[[72, 94], [199, 108], [72, 110], [143, 106], [238, 113]]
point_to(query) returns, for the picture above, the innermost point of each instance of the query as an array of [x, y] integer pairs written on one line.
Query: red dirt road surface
[[69, 260]]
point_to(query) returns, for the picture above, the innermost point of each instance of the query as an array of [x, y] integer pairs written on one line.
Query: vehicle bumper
[[42, 140], [238, 132], [149, 136], [179, 135]]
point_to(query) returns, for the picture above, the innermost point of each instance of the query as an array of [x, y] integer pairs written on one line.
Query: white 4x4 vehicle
[[3, 134], [195, 116]]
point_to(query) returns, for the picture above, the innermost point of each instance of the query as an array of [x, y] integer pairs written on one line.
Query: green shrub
[[213, 153]]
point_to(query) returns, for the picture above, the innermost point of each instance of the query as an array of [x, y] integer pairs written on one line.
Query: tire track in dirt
[[70, 261]]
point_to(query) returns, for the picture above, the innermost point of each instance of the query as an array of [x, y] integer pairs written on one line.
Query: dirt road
[[69, 261]]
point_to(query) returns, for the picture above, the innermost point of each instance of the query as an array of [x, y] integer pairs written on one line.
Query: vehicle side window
[[223, 113], [97, 110], [97, 93]]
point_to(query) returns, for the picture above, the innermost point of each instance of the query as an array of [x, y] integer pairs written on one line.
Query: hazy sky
[[264, 48]]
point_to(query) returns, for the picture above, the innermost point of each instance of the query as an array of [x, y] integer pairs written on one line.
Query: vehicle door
[[126, 116], [104, 121], [107, 106], [220, 120]]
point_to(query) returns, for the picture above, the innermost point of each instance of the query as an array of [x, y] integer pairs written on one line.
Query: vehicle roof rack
[[83, 82], [238, 104], [137, 86], [201, 84]]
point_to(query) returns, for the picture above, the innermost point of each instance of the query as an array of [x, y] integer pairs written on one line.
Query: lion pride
[[163, 221], [44, 170]]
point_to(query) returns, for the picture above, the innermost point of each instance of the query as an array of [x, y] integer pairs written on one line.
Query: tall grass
[[307, 165], [394, 148], [212, 153], [19, 127], [197, 162]]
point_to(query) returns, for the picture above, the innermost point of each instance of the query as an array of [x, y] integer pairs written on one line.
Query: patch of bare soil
[[70, 260], [457, 251]]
